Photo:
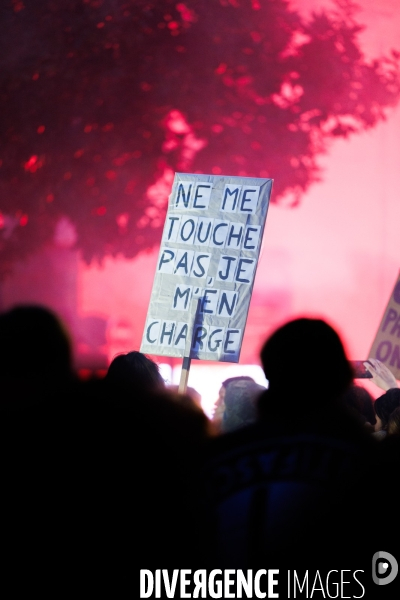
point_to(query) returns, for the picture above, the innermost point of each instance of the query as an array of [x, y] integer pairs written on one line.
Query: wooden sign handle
[[184, 375], [187, 358]]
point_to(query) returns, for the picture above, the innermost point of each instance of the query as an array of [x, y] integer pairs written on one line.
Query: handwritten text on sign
[[209, 253]]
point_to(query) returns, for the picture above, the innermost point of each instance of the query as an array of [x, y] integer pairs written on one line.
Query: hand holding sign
[[381, 375]]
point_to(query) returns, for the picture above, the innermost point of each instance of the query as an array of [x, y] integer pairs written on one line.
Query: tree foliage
[[103, 100]]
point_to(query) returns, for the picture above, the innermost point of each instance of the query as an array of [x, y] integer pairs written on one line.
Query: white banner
[[206, 266]]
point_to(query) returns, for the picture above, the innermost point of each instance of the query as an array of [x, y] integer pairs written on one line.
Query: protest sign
[[386, 345], [208, 258]]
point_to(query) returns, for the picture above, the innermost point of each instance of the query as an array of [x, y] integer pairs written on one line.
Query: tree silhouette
[[103, 100]]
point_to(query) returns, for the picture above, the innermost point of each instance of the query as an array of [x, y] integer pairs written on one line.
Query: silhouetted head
[[34, 343], [135, 370], [385, 405], [219, 406], [226, 382], [35, 357], [306, 356], [241, 397]]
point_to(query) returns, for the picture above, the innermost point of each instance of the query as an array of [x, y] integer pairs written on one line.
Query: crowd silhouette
[[106, 476]]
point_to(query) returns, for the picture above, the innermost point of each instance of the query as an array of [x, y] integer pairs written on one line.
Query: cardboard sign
[[206, 266], [386, 345]]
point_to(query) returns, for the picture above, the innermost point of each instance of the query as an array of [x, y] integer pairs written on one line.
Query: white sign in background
[[206, 265]]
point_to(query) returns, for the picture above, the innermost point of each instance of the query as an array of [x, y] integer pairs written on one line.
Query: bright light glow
[[165, 372], [207, 378]]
